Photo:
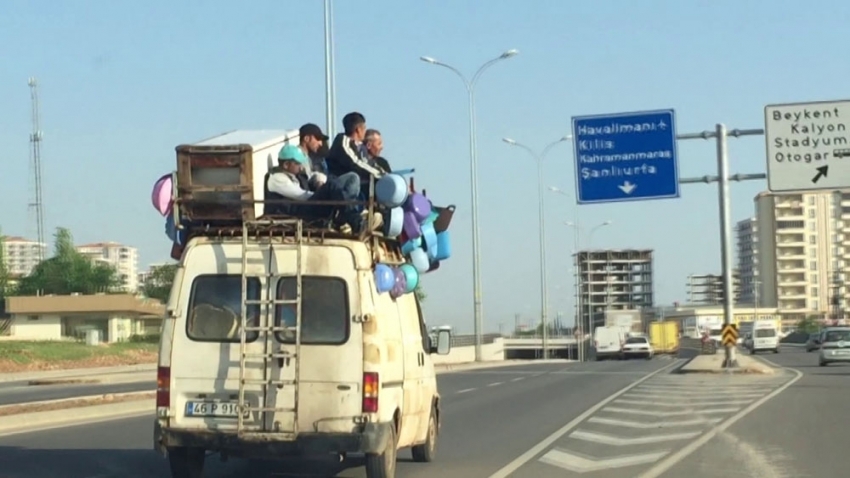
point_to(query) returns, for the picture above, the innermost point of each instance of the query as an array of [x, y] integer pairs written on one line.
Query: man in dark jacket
[[347, 153]]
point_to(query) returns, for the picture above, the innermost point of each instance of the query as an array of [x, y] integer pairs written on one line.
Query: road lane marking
[[521, 460], [495, 384], [668, 413], [706, 396], [465, 390], [671, 460], [683, 403], [583, 464], [604, 439], [517, 379], [645, 425]]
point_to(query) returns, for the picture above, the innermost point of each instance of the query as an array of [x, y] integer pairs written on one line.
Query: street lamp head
[[607, 223], [570, 224], [428, 59], [509, 141], [566, 137], [554, 189], [509, 53]]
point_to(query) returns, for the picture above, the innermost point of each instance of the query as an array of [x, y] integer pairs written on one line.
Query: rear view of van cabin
[[278, 343]]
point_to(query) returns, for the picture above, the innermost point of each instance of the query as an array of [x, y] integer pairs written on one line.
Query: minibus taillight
[[370, 392], [163, 387]]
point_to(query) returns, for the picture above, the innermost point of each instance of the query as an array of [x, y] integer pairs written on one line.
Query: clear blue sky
[[122, 83]]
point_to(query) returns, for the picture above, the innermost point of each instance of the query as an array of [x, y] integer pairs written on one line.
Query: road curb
[[38, 421], [71, 373], [755, 367]]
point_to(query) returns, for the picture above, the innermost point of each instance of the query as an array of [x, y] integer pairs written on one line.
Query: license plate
[[212, 409]]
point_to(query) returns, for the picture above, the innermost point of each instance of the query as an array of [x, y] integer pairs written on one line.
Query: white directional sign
[[808, 146]]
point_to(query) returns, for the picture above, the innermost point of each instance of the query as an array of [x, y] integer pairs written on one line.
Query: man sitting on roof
[[374, 145], [347, 153], [288, 181], [313, 143]]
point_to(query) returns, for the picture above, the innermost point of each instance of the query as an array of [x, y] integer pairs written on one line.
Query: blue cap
[[290, 152]]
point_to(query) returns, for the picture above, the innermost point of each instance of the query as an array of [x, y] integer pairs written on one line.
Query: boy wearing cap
[[287, 181]]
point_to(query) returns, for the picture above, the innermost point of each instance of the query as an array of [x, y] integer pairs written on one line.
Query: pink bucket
[[161, 195]]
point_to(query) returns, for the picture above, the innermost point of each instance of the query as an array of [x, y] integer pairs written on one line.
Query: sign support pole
[[731, 360]]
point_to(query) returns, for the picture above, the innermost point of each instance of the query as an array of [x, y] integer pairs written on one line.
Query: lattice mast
[[36, 206]]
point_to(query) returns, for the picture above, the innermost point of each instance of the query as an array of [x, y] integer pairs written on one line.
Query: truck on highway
[[283, 337], [664, 337], [631, 320]]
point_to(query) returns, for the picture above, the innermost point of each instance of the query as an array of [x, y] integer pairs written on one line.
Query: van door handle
[[421, 359]]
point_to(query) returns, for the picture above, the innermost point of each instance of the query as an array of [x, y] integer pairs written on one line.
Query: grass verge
[[26, 356]]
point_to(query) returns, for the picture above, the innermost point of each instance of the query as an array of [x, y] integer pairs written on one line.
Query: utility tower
[[36, 207]]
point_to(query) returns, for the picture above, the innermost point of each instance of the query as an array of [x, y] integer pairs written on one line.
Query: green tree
[[158, 283], [68, 272], [808, 325], [420, 294]]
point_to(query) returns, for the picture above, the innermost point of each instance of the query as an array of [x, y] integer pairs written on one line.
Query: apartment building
[[618, 279], [707, 289], [22, 255], [746, 232], [803, 252], [125, 259]]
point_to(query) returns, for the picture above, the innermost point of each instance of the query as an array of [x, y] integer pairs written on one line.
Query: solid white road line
[[521, 460]]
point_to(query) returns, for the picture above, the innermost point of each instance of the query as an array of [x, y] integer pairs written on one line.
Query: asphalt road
[[20, 392], [800, 433], [491, 417]]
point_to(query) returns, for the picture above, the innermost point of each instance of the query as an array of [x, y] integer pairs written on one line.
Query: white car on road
[[637, 346]]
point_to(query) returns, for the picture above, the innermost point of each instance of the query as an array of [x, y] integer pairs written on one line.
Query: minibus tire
[[426, 452], [382, 465]]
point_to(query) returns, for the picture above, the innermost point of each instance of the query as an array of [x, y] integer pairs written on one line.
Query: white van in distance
[[764, 337]]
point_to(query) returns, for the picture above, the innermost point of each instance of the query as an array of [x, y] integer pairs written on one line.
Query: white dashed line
[[494, 384], [465, 390], [517, 379]]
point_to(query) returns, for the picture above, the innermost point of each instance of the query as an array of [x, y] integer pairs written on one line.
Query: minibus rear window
[[324, 310], [215, 308]]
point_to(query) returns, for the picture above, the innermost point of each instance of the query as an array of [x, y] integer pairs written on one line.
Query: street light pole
[[544, 295], [473, 173], [589, 272], [577, 323]]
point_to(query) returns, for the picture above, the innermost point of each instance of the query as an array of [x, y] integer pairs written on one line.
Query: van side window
[[215, 308], [426, 338], [324, 310]]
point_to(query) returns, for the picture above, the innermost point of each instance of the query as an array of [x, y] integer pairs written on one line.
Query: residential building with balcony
[[21, 255], [746, 232], [803, 243], [125, 259]]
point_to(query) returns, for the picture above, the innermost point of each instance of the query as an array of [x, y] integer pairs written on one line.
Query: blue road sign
[[626, 157]]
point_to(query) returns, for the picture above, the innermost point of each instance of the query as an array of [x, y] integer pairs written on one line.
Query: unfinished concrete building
[[616, 279], [707, 289]]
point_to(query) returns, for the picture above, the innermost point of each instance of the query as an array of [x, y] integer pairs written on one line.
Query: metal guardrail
[[469, 340]]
